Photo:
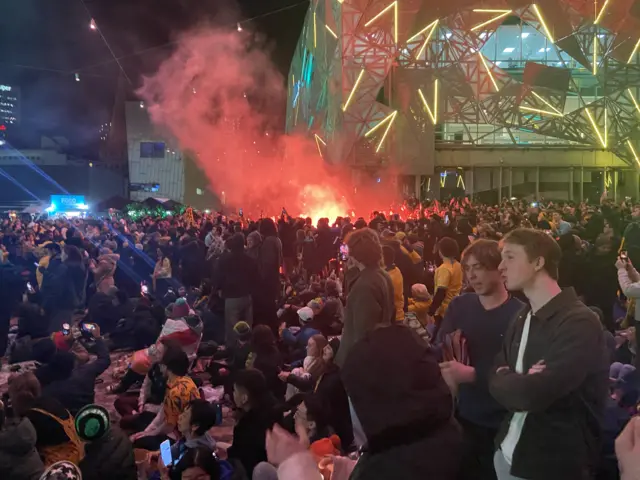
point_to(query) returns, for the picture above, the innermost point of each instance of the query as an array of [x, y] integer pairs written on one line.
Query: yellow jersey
[[449, 276]]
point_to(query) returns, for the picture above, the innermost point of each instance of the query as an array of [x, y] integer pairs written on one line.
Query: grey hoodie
[[19, 459], [178, 449]]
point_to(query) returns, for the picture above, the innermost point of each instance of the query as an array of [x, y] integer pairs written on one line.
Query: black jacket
[[78, 390], [249, 436], [19, 459], [235, 275], [565, 402], [110, 458]]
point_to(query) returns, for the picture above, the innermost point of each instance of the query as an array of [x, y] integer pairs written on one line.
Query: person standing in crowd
[[235, 276], [482, 318], [552, 373], [396, 279], [447, 280], [57, 290], [629, 280], [631, 236], [370, 292]]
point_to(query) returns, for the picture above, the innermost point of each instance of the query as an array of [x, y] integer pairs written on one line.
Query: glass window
[[152, 149]]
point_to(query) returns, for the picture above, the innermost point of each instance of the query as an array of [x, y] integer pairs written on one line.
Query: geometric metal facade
[[370, 77]]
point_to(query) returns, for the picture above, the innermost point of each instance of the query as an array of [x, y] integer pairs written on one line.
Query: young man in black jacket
[[552, 372]]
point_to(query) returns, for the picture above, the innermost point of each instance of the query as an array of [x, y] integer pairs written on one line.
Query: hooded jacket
[[19, 459], [180, 448], [109, 458]]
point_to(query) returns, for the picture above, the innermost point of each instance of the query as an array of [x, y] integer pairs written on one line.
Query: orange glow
[[320, 201]]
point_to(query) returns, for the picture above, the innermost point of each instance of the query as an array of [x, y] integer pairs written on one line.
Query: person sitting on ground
[[256, 413], [71, 384], [108, 451], [193, 424], [266, 358], [296, 338], [227, 362], [180, 392], [200, 464], [32, 341], [56, 438], [311, 366], [19, 459], [419, 302]]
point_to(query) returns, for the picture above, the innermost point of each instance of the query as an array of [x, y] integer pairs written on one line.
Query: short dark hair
[[364, 246], [236, 242], [203, 414], [176, 361], [254, 383], [448, 247], [389, 255], [486, 252], [537, 243], [203, 458]]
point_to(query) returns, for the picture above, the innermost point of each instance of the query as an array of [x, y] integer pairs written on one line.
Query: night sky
[[43, 45]]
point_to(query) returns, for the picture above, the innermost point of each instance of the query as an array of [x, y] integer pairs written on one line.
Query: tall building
[[503, 99], [158, 167], [9, 110]]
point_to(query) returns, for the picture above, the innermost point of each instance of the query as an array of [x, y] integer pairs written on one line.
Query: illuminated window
[[152, 149]]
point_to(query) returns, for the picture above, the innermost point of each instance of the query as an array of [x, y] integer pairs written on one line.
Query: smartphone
[[144, 289], [344, 252], [30, 288], [624, 256], [446, 219], [66, 329], [165, 453]]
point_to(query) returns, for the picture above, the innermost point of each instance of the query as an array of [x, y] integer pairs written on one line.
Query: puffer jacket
[[19, 459], [110, 458]]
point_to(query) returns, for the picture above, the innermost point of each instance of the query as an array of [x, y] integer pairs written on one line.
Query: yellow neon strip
[[604, 6], [633, 99], [542, 22], [490, 10], [537, 110], [595, 53], [490, 20], [293, 80], [429, 184], [461, 181], [380, 123], [395, 18], [424, 45], [443, 179], [431, 25], [353, 90], [633, 152], [331, 31], [432, 113], [315, 31], [486, 67], [602, 139], [547, 103], [635, 49], [386, 132], [318, 142]]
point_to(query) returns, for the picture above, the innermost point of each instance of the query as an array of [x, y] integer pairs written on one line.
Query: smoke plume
[[221, 97]]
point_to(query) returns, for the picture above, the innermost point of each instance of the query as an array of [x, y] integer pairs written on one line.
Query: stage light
[[604, 7], [542, 22], [331, 31], [537, 110], [77, 77], [547, 103], [92, 25], [486, 67], [393, 5], [633, 152], [491, 20], [432, 113], [635, 49], [353, 90], [603, 140], [239, 27]]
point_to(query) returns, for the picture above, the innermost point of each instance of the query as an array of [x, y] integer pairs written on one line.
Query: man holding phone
[[629, 280]]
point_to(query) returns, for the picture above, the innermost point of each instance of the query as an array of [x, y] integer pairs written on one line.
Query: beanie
[[180, 308], [62, 471], [92, 422], [243, 330]]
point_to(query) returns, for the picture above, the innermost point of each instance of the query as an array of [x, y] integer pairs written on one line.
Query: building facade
[[503, 97]]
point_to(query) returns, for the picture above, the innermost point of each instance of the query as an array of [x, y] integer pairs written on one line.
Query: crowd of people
[[468, 341]]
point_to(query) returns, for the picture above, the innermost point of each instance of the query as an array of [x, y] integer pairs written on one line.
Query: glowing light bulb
[[92, 25], [239, 27]]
